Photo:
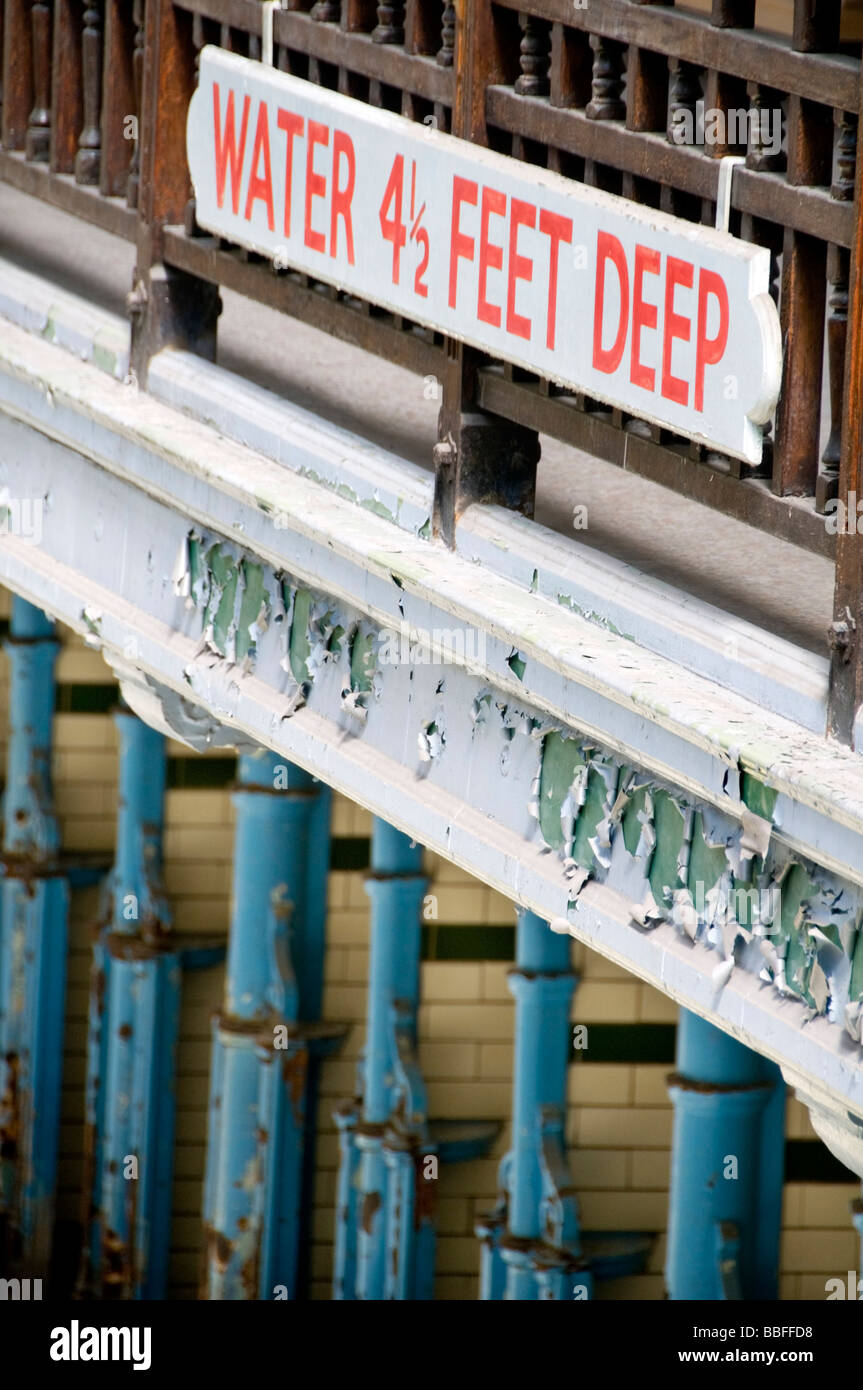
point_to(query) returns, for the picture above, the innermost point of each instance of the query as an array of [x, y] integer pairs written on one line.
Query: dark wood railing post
[[38, 142], [827, 488], [846, 674], [480, 457], [66, 86], [89, 156], [17, 73], [169, 308], [133, 182], [119, 111]]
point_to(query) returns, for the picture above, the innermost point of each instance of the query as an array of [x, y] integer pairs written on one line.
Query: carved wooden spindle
[[447, 35], [534, 57], [846, 154], [38, 142], [684, 90], [90, 142], [837, 328], [327, 11], [765, 109], [137, 83], [606, 83], [390, 27]]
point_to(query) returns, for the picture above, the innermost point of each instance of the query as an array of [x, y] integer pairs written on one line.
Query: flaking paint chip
[[755, 835]]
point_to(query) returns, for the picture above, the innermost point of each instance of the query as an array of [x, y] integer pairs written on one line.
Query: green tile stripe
[[196, 771], [73, 698], [808, 1160], [350, 853], [626, 1042], [450, 941]]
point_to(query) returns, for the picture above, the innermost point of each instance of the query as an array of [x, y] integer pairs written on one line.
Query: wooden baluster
[[358, 16], [827, 487], [842, 189], [390, 27], [38, 143], [480, 456], [684, 90], [326, 11], [646, 107], [118, 99], [798, 415], [647, 89], [67, 85], [137, 82], [571, 67], [810, 142], [733, 14], [422, 26], [90, 142], [846, 675], [765, 109], [534, 57], [168, 307], [17, 72], [447, 35], [606, 102], [846, 146], [816, 26]]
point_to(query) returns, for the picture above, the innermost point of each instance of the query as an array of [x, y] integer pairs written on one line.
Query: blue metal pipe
[[310, 953], [726, 1168], [134, 1018], [266, 1032], [385, 1230], [34, 911], [531, 1244]]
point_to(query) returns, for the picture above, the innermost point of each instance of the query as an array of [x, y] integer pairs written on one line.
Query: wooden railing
[[72, 77], [599, 92]]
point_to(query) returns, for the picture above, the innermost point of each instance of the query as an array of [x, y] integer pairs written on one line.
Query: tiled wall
[[620, 1117]]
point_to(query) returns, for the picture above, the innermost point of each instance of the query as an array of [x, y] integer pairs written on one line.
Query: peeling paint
[[717, 878], [516, 663]]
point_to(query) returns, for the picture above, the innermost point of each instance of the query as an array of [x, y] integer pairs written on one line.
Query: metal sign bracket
[[727, 165]]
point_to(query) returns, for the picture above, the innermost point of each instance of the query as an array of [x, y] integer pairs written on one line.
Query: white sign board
[[669, 320]]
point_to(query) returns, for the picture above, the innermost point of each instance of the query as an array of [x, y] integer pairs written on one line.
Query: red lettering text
[[316, 184], [343, 145], [557, 229], [708, 351], [292, 125], [643, 316], [461, 246], [490, 255], [228, 153], [608, 248], [261, 186], [521, 214], [677, 272]]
